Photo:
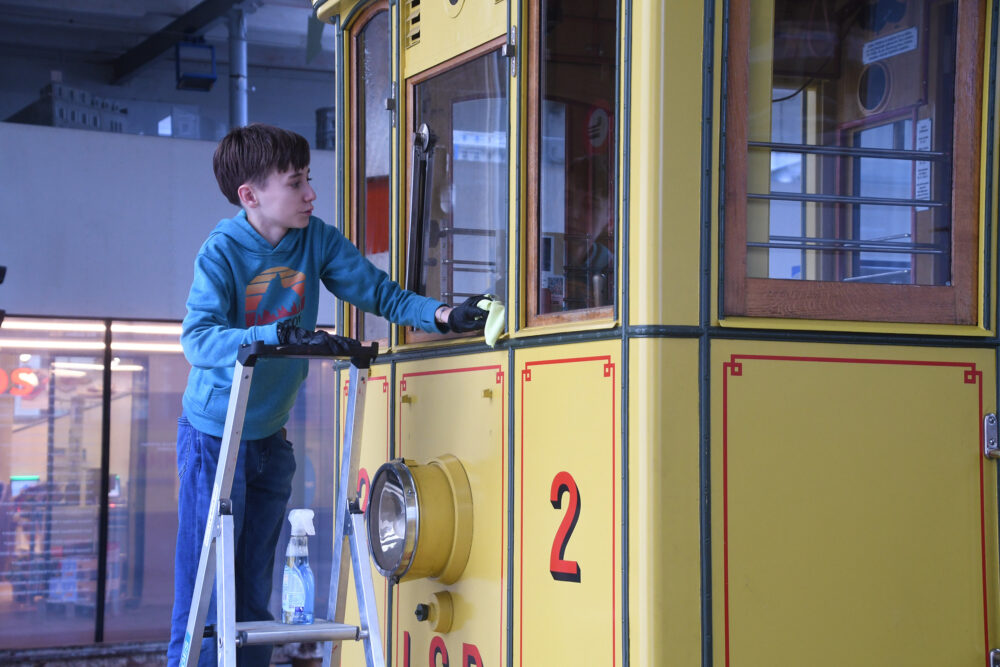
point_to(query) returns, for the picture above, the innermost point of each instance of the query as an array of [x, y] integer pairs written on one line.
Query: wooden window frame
[[355, 86], [533, 196], [412, 335], [770, 297]]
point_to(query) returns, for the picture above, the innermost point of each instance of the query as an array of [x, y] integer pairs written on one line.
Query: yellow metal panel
[[853, 513], [374, 452], [665, 163], [567, 531], [458, 406], [447, 30], [664, 527]]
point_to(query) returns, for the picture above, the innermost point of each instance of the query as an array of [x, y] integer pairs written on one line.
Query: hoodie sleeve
[[350, 276], [209, 337]]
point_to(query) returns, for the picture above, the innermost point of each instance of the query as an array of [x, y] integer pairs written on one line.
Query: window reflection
[[576, 183], [148, 375], [373, 127], [51, 389], [463, 235], [52, 399], [857, 128]]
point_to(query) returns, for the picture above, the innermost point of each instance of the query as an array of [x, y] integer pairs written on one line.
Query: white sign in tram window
[[889, 46], [922, 180]]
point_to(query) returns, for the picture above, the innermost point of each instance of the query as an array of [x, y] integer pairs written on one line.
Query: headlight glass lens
[[391, 521]]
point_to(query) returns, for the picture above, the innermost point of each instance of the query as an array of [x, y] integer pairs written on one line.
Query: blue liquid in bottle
[[298, 586]]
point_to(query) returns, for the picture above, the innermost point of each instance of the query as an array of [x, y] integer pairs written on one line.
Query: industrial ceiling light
[[420, 519]]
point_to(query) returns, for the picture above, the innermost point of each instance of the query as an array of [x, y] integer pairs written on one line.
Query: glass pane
[[465, 239], [51, 389], [148, 375], [576, 171], [373, 132], [884, 224], [851, 106], [312, 430]]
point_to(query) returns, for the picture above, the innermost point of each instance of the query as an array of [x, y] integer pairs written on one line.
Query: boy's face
[[284, 201]]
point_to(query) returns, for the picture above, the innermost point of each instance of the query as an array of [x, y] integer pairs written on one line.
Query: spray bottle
[[298, 587]]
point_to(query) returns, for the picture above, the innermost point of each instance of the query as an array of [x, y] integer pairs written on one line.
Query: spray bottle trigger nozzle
[[302, 522]]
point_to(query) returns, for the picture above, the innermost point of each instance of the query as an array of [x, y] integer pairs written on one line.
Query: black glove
[[468, 316], [289, 334]]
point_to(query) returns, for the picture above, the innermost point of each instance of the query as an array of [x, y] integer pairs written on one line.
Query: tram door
[[853, 511]]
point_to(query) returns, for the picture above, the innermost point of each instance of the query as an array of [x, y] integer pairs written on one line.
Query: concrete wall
[[95, 224]]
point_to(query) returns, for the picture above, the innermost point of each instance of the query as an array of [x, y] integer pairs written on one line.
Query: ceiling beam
[[190, 24]]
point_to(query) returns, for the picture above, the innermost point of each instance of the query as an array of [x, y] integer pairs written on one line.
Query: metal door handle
[[991, 450]]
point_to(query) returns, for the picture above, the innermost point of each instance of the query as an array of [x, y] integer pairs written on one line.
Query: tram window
[[457, 242], [370, 85], [852, 160], [572, 146]]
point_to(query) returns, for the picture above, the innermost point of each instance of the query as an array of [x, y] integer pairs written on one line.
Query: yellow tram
[[743, 410]]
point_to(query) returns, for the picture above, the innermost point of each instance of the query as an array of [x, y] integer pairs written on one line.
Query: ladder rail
[[347, 496], [202, 592], [225, 587], [367, 605]]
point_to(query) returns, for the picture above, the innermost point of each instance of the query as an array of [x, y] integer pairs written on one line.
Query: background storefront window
[[51, 392], [64, 426], [148, 374]]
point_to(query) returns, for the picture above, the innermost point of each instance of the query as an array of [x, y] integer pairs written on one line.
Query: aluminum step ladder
[[218, 546]]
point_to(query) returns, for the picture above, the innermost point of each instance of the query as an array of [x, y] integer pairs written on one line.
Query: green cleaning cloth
[[494, 321]]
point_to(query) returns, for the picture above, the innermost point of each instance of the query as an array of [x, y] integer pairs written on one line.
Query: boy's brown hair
[[250, 154]]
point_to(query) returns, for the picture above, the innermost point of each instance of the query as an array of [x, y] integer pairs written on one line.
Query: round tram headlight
[[420, 519], [392, 516]]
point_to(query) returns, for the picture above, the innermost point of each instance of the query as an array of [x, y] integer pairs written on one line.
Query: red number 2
[[562, 569]]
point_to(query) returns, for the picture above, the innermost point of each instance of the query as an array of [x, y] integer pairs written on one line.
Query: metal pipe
[[844, 199], [847, 245], [851, 151], [237, 68]]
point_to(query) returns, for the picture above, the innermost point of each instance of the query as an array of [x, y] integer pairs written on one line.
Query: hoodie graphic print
[[273, 295]]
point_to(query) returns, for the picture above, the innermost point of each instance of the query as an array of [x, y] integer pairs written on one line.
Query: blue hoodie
[[243, 287]]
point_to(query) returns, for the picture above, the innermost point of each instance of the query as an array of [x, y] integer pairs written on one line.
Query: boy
[[257, 277]]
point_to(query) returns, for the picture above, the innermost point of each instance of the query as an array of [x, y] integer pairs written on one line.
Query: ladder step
[[276, 632]]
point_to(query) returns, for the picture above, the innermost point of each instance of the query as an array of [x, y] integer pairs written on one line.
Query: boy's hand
[[292, 335], [468, 316]]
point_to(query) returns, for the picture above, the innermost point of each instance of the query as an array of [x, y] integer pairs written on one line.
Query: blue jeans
[[262, 485]]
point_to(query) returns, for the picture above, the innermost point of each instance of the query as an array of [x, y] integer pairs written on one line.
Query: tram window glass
[[371, 152], [458, 238], [571, 193], [852, 159]]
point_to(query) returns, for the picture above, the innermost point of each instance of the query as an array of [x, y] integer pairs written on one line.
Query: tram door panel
[[456, 408], [567, 539], [853, 513]]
